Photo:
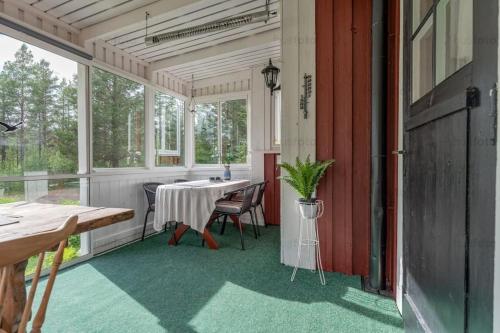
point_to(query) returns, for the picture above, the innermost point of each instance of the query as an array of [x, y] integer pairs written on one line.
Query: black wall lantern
[[271, 76]]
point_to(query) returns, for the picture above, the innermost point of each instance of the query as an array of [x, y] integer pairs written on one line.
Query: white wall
[[261, 122], [125, 191], [298, 134]]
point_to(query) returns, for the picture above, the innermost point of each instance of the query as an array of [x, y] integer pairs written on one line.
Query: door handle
[[399, 152]]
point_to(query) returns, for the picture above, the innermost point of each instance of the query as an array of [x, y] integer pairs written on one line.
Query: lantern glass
[[271, 75]]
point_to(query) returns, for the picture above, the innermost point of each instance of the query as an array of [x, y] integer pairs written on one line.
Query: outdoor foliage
[[304, 177], [233, 136], [47, 141], [117, 121]]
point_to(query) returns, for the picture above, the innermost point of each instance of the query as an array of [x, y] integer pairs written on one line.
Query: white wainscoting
[[125, 191]]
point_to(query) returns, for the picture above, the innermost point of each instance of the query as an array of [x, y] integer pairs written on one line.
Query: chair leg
[[29, 302], [263, 216], [223, 225], [256, 220], [253, 223], [40, 315], [4, 276], [241, 236], [145, 222]]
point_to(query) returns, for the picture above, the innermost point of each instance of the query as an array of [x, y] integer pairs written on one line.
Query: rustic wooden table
[[20, 220]]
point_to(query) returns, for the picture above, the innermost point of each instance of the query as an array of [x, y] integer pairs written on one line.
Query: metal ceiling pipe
[[378, 145]]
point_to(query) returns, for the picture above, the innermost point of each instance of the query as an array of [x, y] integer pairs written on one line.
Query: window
[[40, 89], [206, 133], [442, 42], [453, 36], [169, 130], [117, 121], [220, 132], [422, 61]]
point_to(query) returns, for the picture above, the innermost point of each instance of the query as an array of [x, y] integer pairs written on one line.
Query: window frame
[[438, 89], [167, 152], [219, 99]]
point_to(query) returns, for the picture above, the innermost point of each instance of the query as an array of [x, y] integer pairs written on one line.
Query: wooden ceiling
[[93, 17], [84, 13]]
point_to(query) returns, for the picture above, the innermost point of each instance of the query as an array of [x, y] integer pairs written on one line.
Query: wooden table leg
[[15, 298], [236, 221], [209, 239], [179, 232]]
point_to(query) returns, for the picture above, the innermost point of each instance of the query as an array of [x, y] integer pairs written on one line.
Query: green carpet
[[151, 287]]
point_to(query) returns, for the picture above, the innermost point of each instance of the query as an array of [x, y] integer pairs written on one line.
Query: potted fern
[[304, 177]]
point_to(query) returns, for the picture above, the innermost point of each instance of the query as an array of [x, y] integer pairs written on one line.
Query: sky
[[62, 67]]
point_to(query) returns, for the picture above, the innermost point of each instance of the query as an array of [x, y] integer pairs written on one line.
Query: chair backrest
[[150, 190], [248, 193], [17, 250], [260, 194]]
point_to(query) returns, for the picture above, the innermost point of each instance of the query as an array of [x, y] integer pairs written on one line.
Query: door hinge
[[473, 98]]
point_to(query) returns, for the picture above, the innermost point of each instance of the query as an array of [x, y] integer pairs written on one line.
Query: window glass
[[60, 192], [38, 88], [38, 91], [454, 33], [422, 80], [206, 133], [234, 131], [420, 9], [117, 121], [169, 130]]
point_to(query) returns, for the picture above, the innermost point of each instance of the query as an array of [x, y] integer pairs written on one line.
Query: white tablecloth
[[191, 203]]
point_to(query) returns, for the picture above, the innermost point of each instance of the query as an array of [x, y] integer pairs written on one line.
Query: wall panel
[[343, 45]]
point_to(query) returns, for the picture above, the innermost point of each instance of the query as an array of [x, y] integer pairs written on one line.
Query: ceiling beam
[[212, 51], [133, 19]]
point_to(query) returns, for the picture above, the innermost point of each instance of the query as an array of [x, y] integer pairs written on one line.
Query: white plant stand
[[308, 234]]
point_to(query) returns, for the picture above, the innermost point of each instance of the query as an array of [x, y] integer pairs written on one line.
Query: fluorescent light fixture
[[224, 24]]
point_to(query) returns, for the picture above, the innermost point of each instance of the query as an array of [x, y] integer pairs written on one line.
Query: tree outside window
[[117, 121], [220, 131]]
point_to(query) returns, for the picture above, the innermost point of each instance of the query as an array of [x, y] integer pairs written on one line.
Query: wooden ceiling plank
[[216, 43], [226, 61], [242, 43], [130, 20], [209, 14]]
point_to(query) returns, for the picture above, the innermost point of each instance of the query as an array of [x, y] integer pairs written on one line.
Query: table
[[33, 218], [192, 204]]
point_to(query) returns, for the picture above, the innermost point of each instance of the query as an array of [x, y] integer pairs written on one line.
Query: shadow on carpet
[[151, 287]]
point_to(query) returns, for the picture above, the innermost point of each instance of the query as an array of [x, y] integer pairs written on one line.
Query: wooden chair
[[16, 251]]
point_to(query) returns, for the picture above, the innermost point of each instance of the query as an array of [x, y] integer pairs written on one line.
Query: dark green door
[[449, 166]]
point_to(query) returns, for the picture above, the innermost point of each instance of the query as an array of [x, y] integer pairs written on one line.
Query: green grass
[[151, 287], [70, 253], [10, 199]]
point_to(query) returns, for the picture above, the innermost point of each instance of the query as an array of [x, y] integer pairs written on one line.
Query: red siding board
[[343, 131]]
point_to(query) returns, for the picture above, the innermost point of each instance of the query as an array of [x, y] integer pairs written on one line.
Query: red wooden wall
[[343, 108], [272, 198]]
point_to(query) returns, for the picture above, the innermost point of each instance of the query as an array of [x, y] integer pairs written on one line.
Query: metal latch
[[473, 99]]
